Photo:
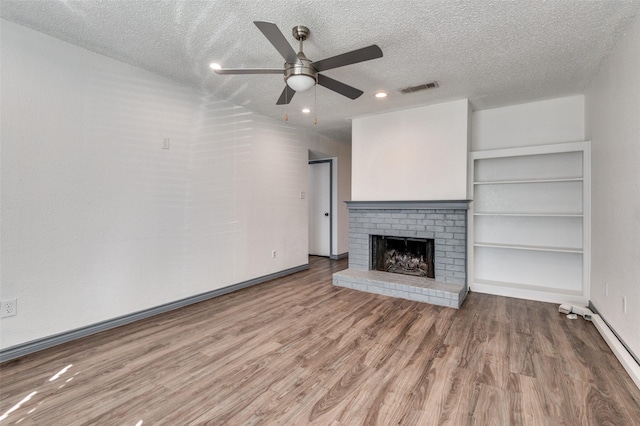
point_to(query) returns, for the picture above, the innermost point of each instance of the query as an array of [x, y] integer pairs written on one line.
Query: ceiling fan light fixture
[[301, 82]]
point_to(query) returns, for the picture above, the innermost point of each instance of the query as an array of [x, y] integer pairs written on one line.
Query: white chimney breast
[[413, 154]]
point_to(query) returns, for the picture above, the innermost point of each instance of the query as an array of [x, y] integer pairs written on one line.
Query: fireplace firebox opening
[[409, 256]]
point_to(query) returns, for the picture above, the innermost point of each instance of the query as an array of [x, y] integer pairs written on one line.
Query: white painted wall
[[405, 155], [613, 125], [97, 221], [535, 123], [341, 241]]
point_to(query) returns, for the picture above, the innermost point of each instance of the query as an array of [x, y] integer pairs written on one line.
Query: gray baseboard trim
[[57, 339], [338, 256], [595, 311]]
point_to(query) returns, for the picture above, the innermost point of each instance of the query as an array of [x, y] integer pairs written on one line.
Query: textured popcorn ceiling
[[495, 53]]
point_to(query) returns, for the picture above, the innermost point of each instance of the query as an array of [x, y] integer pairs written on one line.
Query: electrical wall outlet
[[165, 143], [273, 254], [8, 307]]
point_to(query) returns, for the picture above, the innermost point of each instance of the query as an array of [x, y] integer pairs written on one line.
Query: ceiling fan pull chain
[[315, 105]]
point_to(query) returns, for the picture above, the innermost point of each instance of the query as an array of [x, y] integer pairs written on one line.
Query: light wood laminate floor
[[297, 351]]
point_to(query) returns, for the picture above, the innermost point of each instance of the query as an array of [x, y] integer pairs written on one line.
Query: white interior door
[[320, 209]]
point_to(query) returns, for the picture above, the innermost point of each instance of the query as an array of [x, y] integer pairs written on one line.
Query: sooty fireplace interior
[[409, 256]]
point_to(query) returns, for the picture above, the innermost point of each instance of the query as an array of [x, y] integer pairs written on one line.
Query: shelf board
[[526, 247], [530, 150], [508, 182], [529, 287], [531, 214]]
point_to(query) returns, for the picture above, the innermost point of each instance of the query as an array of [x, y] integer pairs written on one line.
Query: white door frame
[[330, 161]]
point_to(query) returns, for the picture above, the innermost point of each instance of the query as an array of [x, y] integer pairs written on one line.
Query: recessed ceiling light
[[215, 66], [306, 110], [381, 95]]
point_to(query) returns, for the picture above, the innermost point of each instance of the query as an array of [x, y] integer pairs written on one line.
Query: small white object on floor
[[572, 316]]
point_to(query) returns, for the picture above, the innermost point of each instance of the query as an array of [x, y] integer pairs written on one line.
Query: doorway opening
[[320, 207]]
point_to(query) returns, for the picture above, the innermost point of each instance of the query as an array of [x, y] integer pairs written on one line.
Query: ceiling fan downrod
[[301, 75], [300, 32]]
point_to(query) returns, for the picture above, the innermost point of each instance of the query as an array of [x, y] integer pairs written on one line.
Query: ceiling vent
[[431, 85]]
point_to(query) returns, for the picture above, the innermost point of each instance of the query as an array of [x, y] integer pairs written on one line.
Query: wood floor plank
[[297, 351]]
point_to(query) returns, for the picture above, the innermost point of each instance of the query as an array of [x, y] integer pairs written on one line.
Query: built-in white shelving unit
[[529, 236]]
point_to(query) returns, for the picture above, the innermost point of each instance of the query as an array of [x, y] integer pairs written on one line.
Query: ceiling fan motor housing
[[302, 68]]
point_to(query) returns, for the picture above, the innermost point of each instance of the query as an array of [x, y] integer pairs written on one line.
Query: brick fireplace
[[445, 222]]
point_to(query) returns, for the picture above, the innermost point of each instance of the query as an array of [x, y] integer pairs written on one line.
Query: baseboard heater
[[57, 339], [630, 361]]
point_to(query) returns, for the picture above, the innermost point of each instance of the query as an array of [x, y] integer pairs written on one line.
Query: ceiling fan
[[300, 73]]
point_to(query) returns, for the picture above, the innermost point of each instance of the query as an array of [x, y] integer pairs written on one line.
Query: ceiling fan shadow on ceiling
[[300, 73]]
